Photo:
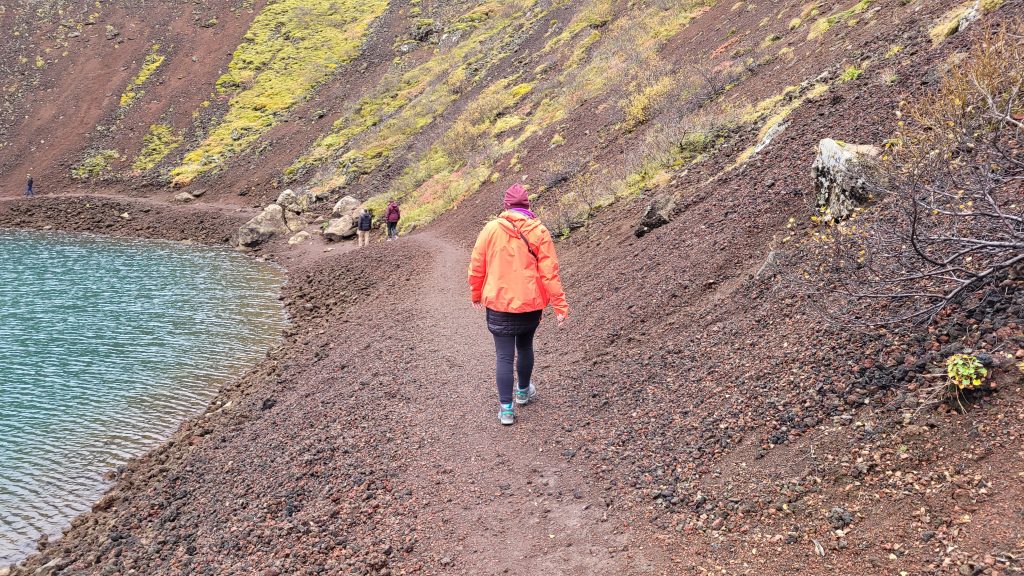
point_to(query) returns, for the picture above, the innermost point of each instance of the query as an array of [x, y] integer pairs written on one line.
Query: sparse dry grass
[[641, 104], [823, 25]]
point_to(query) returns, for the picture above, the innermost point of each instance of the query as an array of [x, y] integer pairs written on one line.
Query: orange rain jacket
[[505, 277]]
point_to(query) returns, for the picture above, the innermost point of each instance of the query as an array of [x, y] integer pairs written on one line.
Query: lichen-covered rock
[[340, 228], [842, 175], [308, 199], [183, 197], [345, 206], [294, 221], [293, 202], [972, 15], [262, 227]]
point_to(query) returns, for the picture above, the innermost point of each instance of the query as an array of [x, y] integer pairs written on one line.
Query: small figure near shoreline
[[392, 215], [513, 274], [28, 186], [363, 227]]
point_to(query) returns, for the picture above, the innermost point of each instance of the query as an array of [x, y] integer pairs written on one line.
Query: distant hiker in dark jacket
[[392, 215], [28, 186], [364, 227]]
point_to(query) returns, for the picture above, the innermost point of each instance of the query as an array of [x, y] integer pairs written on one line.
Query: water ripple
[[105, 346]]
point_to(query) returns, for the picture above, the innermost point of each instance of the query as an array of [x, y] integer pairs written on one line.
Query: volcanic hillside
[[706, 416]]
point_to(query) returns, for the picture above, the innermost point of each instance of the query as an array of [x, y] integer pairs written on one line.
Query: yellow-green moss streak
[[441, 179], [156, 145], [595, 14], [134, 90], [404, 110], [775, 110], [949, 24], [396, 94], [292, 47]]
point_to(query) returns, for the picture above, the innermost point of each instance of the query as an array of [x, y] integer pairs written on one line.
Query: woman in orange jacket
[[513, 273]]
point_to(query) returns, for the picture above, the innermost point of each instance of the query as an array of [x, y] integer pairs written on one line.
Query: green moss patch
[[404, 107], [134, 90], [94, 165], [156, 145]]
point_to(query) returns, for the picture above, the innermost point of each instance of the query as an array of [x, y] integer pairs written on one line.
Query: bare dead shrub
[[948, 218]]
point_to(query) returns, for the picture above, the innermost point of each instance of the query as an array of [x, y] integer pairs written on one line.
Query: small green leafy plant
[[965, 373], [850, 74]]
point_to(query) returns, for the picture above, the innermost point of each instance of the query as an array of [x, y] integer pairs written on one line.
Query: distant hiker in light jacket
[[28, 186], [364, 227], [513, 273], [392, 215]]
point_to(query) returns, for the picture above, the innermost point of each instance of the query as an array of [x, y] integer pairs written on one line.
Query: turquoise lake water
[[105, 347]]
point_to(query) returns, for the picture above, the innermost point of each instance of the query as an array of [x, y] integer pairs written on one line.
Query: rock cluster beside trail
[[288, 215], [842, 175]]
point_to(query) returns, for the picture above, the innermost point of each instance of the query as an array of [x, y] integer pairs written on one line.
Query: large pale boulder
[[294, 221], [262, 227], [293, 202], [345, 206], [340, 228], [299, 238], [842, 177]]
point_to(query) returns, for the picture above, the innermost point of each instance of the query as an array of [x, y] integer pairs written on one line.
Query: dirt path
[[505, 499]]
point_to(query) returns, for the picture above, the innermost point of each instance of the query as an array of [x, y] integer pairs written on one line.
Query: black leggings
[[506, 348]]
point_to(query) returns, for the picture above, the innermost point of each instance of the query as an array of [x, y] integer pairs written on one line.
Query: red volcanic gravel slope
[[697, 414]]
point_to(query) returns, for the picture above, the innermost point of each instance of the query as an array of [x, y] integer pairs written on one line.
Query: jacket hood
[[512, 220]]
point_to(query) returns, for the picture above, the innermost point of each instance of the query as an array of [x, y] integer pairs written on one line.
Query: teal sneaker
[[525, 395], [506, 414]]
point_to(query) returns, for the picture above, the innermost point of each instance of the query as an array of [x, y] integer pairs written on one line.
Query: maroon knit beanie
[[516, 197]]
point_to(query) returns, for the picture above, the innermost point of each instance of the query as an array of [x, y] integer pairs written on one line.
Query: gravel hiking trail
[[502, 500]]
